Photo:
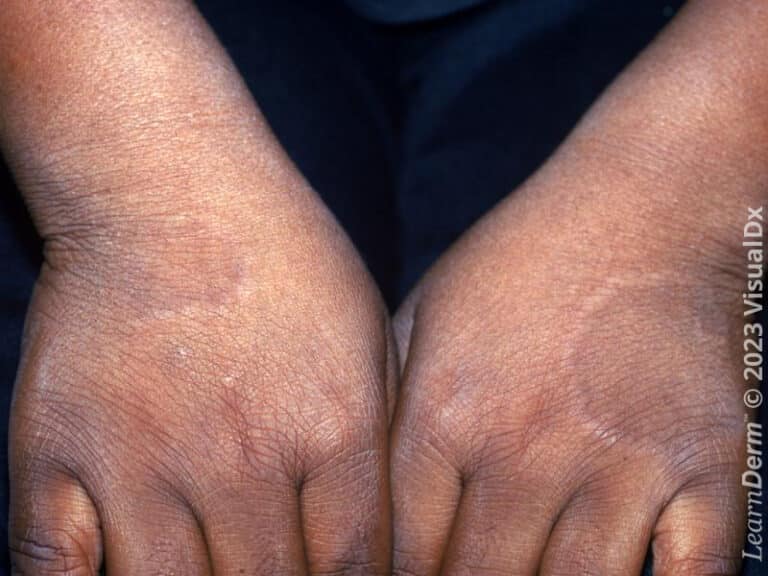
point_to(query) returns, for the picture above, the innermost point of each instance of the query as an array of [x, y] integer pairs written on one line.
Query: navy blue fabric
[[409, 132], [405, 11], [20, 260]]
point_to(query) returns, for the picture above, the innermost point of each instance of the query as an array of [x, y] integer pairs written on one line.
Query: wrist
[[142, 133], [664, 166]]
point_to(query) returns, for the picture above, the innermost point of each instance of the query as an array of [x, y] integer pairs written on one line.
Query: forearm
[[672, 154], [119, 117]]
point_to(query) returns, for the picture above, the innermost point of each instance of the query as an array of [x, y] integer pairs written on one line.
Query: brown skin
[[203, 387], [203, 383], [571, 388]]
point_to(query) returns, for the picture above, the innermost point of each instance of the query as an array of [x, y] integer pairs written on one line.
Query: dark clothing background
[[402, 11], [411, 119]]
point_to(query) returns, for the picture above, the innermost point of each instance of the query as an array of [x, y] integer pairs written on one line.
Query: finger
[[254, 527], [604, 530], [426, 487], [402, 324], [153, 533], [392, 375], [425, 466], [345, 513], [701, 531], [54, 526], [501, 526]]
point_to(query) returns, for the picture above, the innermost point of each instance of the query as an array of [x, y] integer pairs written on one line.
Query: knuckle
[[338, 429], [349, 567], [48, 552], [405, 562], [351, 457], [582, 562], [442, 419], [703, 563], [45, 442], [701, 459], [417, 445]]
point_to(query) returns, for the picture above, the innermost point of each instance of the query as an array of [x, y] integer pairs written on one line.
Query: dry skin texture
[[207, 375]]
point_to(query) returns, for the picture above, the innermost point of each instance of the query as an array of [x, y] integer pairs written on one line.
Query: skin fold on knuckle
[[52, 551]]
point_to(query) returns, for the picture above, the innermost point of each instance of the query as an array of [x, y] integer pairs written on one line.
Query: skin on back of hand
[[203, 383]]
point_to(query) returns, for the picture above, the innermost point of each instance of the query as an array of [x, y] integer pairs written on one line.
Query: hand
[[571, 390], [218, 409], [564, 403], [203, 382]]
